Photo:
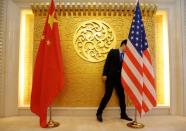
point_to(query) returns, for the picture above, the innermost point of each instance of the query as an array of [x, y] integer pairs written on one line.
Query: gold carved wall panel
[[83, 84]]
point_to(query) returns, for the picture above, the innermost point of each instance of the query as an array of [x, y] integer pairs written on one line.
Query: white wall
[[183, 16], [176, 59], [10, 88]]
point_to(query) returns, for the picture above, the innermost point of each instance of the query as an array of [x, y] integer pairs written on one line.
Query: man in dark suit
[[112, 78]]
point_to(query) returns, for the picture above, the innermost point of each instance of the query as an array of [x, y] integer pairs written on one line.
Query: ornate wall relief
[[93, 40]]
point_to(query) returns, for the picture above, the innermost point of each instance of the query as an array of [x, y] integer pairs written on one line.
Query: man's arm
[[107, 65]]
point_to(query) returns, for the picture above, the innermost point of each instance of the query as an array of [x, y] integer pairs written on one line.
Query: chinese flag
[[48, 77]]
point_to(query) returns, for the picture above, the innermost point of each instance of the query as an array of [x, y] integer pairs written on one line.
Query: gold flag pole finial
[[135, 124], [51, 123]]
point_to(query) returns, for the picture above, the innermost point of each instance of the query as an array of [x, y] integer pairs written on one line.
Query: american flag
[[137, 72]]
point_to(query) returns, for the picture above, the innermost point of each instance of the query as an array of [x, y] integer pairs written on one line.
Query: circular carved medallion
[[93, 40]]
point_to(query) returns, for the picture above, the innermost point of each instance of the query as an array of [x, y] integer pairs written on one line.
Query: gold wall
[[83, 84], [159, 59]]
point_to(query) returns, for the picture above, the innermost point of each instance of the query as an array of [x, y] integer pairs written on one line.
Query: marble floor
[[152, 123]]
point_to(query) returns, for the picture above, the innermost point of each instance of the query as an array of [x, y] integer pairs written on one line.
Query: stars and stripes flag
[[137, 72]]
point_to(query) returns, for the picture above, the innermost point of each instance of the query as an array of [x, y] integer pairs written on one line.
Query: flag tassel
[[135, 124], [51, 123]]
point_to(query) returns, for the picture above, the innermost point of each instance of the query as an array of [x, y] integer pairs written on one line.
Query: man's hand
[[104, 78]]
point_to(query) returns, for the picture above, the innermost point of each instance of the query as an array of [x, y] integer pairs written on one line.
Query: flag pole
[[51, 123], [135, 124]]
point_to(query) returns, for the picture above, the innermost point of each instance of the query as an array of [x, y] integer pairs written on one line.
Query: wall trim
[[11, 59], [91, 111], [183, 32], [3, 22]]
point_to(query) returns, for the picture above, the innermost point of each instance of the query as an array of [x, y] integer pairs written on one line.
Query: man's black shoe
[[99, 117], [126, 117]]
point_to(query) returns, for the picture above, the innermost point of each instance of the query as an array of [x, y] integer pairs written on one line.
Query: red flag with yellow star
[[48, 78]]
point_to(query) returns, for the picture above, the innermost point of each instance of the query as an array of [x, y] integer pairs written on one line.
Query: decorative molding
[[81, 1], [91, 111], [95, 9], [11, 59], [183, 24], [176, 57], [3, 6]]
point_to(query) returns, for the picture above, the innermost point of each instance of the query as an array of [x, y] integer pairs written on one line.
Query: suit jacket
[[113, 64]]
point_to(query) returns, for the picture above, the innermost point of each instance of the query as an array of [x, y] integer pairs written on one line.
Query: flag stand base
[[135, 124], [52, 124]]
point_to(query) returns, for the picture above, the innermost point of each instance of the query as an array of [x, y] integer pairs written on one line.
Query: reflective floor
[[152, 123]]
